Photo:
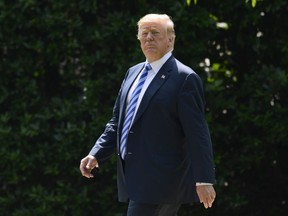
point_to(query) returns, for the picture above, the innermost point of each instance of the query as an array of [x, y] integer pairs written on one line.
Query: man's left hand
[[206, 195]]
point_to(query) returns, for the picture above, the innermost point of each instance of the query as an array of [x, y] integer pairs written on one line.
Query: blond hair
[[162, 18]]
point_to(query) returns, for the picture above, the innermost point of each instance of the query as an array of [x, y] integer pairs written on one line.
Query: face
[[154, 41]]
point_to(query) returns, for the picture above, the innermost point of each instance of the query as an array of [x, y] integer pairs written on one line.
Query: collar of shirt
[[156, 65]]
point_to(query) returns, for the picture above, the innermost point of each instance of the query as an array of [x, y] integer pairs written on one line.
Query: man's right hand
[[87, 164]]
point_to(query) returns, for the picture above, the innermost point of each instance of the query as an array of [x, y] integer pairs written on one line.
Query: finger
[[210, 204], [207, 202], [212, 197], [89, 169], [87, 173], [203, 202], [90, 175], [85, 170], [91, 164], [211, 201], [82, 167]]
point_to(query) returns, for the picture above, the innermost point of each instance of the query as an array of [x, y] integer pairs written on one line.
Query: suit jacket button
[[131, 132]]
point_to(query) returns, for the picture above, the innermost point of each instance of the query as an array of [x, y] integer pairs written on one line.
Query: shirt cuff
[[202, 183]]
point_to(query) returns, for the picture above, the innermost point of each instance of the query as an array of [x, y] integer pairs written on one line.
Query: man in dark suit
[[159, 131]]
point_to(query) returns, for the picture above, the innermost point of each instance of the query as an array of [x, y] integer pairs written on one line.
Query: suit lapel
[[125, 89], [157, 82]]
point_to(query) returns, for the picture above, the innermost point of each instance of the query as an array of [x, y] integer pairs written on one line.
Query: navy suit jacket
[[169, 147]]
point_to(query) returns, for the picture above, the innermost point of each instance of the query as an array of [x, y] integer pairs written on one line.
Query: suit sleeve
[[106, 144], [198, 142]]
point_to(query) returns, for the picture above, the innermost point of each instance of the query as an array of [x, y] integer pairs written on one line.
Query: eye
[[155, 33]]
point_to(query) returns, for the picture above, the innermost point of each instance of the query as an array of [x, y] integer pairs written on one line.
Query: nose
[[149, 36]]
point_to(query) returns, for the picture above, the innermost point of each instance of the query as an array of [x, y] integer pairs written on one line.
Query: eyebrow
[[150, 27]]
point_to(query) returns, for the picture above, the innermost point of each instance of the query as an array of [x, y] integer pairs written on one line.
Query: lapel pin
[[163, 77]]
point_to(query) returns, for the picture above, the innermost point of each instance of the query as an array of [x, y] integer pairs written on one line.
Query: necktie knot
[[148, 67]]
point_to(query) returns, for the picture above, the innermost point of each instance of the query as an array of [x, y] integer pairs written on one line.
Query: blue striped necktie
[[131, 110]]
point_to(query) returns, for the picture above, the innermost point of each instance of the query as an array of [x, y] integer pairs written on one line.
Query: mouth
[[150, 49], [149, 46]]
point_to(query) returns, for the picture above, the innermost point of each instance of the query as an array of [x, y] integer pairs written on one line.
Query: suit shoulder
[[184, 69], [134, 67]]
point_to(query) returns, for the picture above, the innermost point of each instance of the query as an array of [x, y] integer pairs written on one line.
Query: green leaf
[[254, 3], [189, 2]]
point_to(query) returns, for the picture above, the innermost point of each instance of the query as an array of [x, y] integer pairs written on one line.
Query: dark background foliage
[[62, 63]]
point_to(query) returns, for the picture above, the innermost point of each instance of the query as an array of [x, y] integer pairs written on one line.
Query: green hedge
[[62, 63]]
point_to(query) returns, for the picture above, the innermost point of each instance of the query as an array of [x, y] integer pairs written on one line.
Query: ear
[[171, 41]]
